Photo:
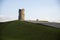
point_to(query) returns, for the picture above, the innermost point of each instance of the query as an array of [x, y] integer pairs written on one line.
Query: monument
[[21, 15]]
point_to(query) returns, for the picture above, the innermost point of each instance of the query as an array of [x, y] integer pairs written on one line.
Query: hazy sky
[[34, 9]]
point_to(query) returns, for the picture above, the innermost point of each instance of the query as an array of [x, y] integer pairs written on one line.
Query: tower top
[[22, 9]]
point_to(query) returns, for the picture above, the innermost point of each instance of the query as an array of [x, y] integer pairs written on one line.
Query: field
[[18, 30]]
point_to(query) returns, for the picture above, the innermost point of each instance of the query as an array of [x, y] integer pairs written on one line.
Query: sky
[[34, 9]]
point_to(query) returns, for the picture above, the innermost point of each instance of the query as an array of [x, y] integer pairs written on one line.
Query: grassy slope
[[17, 30]]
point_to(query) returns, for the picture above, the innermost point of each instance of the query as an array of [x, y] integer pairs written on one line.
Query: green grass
[[17, 30]]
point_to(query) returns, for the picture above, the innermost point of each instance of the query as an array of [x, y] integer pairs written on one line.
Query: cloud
[[4, 18]]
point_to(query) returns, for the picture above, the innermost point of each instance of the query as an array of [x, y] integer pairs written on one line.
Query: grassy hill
[[17, 30]]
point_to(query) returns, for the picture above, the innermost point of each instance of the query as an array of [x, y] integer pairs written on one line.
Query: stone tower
[[21, 15]]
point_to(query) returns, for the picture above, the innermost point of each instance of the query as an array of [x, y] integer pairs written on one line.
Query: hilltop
[[18, 30]]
